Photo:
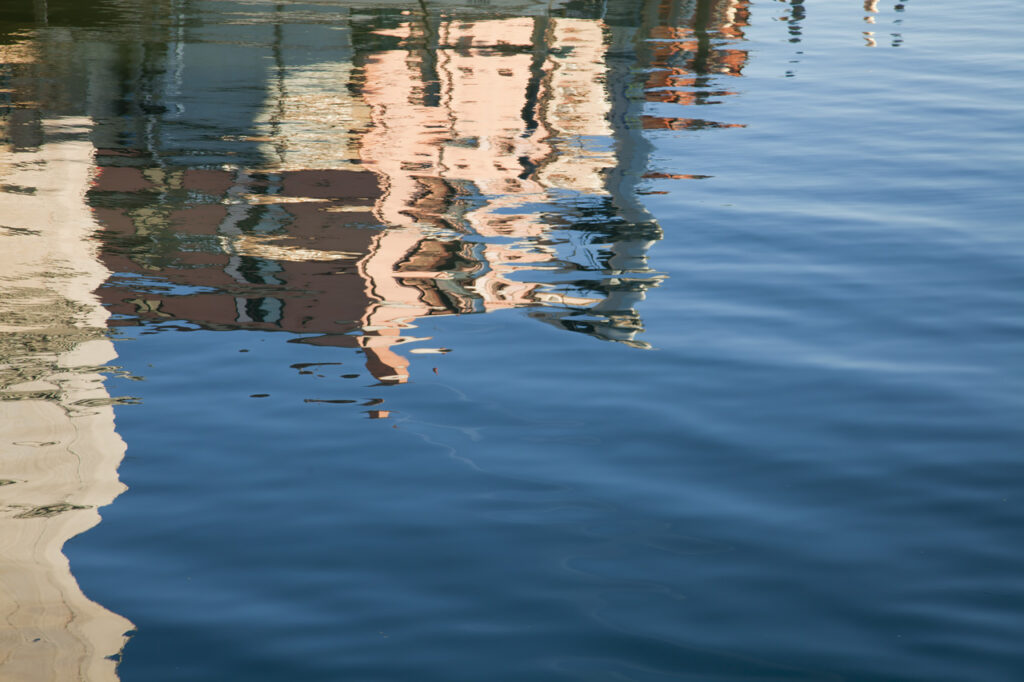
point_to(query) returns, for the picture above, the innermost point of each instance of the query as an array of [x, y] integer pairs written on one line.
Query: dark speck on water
[[688, 337]]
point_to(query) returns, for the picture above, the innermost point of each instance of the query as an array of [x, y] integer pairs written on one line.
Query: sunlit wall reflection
[[59, 449]]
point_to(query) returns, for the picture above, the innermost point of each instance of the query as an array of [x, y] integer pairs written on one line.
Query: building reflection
[[690, 47], [59, 450], [435, 163], [424, 161]]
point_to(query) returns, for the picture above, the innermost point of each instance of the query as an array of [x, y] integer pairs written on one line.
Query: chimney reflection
[[438, 164]]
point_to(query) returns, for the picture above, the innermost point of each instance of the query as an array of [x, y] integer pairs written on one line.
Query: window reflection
[[430, 163]]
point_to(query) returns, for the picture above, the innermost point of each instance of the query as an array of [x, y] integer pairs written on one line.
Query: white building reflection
[[59, 450]]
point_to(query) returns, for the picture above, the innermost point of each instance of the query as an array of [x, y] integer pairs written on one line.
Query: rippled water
[[511, 340]]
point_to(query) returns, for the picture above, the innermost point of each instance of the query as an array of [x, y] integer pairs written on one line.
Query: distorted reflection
[[797, 13], [337, 172], [59, 451], [409, 163]]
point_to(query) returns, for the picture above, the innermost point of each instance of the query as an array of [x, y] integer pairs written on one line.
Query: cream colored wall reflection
[[59, 450]]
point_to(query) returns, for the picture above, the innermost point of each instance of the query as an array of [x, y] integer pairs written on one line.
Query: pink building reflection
[[460, 165]]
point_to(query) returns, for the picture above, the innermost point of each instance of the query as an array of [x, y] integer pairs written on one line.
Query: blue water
[[785, 443]]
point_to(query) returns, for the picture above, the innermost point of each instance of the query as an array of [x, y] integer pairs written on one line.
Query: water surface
[[631, 340]]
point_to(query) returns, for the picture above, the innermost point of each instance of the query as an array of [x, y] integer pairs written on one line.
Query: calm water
[[511, 340]]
